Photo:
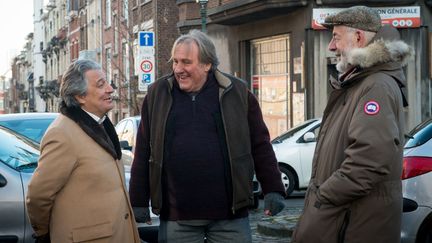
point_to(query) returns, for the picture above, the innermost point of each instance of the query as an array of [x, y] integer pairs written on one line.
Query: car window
[[292, 131], [138, 120], [420, 134], [128, 132], [315, 130], [119, 128], [17, 152], [33, 129]]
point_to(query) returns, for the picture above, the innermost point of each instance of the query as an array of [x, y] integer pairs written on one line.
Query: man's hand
[[42, 238], [142, 215], [273, 203]]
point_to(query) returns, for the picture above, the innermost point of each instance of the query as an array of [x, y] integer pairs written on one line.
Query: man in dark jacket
[[201, 138], [355, 189]]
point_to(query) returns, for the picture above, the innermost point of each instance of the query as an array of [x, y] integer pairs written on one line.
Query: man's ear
[[80, 99], [207, 67], [361, 38]]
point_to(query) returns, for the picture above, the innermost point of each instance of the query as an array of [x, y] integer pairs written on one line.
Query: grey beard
[[343, 65]]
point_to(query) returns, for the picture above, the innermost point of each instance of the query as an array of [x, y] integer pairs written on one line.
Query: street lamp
[[203, 11]]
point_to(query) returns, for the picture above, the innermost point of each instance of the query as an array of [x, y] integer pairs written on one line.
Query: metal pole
[[203, 12]]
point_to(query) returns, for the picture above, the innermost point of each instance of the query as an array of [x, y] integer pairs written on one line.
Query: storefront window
[[271, 81]]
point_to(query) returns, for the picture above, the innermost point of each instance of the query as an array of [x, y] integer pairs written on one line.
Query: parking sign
[[146, 59]]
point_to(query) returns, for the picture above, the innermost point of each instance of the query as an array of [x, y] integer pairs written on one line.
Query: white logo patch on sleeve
[[371, 107]]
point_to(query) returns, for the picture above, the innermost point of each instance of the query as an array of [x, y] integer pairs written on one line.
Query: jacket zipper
[[193, 105]]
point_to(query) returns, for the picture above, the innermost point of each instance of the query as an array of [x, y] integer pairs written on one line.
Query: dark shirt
[[195, 168]]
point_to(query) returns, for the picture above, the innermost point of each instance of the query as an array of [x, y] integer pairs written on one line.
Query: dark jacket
[[355, 189], [247, 140]]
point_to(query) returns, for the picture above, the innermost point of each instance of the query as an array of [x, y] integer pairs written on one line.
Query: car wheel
[[425, 231], [288, 180]]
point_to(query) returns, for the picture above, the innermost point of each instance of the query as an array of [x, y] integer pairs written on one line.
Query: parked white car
[[294, 151]]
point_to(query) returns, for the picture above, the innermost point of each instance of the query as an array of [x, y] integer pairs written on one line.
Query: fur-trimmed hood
[[386, 53], [384, 48]]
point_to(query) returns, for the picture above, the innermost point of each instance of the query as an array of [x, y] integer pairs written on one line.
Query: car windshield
[[17, 152], [292, 131], [31, 128], [420, 134], [138, 120]]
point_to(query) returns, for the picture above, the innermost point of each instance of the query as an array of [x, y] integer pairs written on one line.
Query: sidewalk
[[281, 225], [277, 228]]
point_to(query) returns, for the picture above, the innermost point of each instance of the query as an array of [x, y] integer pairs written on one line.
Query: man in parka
[[355, 189]]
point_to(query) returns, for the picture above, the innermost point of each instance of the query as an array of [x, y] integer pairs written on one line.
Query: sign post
[[146, 60]]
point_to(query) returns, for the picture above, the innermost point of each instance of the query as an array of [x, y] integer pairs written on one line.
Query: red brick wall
[[166, 33]]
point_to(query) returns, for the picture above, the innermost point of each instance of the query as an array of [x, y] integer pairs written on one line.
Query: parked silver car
[[18, 159], [32, 125], [417, 185]]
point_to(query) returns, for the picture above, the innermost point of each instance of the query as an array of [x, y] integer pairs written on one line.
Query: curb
[[279, 226]]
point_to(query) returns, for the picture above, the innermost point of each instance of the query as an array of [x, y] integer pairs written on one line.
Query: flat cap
[[358, 17]]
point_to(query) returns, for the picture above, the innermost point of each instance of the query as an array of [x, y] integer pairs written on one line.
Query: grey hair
[[369, 35], [74, 81], [206, 47]]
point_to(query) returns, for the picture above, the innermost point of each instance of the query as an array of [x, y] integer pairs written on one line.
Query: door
[[12, 219]]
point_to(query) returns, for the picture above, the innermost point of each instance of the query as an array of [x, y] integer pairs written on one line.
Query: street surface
[[293, 205]]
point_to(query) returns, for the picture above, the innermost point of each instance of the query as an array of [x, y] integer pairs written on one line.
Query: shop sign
[[399, 17]]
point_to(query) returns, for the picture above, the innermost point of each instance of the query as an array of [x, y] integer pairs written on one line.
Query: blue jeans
[[214, 231]]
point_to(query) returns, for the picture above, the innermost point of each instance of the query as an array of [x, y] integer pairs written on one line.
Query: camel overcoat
[[78, 192]]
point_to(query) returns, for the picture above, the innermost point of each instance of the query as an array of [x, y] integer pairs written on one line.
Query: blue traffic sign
[[146, 38]]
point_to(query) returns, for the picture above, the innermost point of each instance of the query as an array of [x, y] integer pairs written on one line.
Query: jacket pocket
[[317, 213], [242, 176], [92, 232]]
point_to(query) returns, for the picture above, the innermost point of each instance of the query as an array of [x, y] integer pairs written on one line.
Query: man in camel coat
[[78, 193]]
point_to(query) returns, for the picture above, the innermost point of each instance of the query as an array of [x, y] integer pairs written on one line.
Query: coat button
[[126, 216]]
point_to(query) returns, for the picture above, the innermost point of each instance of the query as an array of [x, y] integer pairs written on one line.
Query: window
[[116, 31], [125, 56], [17, 153], [420, 134], [292, 131], [270, 72], [126, 11], [128, 133], [33, 129], [108, 64], [107, 13], [119, 128]]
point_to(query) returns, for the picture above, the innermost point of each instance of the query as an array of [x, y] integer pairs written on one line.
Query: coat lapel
[[96, 131]]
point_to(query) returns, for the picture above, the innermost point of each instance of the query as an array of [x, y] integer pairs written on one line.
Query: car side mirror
[[3, 181], [309, 137], [125, 145]]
